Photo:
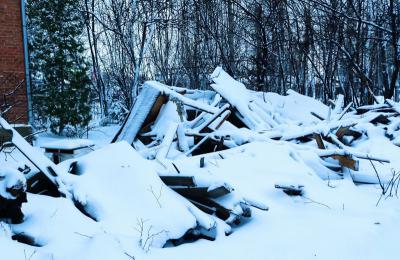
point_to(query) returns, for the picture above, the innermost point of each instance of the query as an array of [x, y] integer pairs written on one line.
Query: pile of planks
[[167, 123]]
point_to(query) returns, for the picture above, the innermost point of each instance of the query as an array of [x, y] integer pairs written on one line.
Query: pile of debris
[[169, 123]]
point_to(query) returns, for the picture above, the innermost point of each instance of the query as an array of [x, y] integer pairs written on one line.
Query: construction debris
[[177, 122], [47, 169], [167, 124]]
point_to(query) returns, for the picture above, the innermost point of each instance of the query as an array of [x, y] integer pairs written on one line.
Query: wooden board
[[347, 161], [143, 106], [195, 192], [320, 142], [185, 181], [345, 131], [151, 117]]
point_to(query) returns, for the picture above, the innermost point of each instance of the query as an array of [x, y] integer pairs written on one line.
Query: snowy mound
[[121, 190], [295, 106]]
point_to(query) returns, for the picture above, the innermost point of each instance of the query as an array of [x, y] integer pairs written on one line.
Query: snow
[[68, 144], [60, 231], [126, 189], [294, 106], [295, 227], [299, 227], [168, 115]]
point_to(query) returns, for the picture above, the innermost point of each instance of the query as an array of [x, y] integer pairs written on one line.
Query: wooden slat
[[194, 192], [191, 192], [220, 211], [346, 131], [344, 160], [160, 101], [218, 192], [186, 181], [381, 119], [317, 116], [347, 161], [320, 142]]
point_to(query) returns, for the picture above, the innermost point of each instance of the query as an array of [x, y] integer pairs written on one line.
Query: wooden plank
[[206, 209], [376, 107], [317, 116], [151, 117], [40, 161], [213, 117], [186, 181], [341, 132], [345, 131], [218, 192], [58, 151], [147, 103], [193, 192], [347, 161], [220, 211], [381, 119], [344, 160], [167, 141], [320, 142], [24, 130]]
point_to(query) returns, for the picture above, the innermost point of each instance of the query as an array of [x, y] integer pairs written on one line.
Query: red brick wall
[[12, 69]]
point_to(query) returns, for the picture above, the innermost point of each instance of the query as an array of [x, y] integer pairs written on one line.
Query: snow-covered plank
[[39, 160], [239, 97], [142, 107], [68, 144], [167, 141], [164, 89]]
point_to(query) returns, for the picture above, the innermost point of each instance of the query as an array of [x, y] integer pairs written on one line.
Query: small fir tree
[[60, 81]]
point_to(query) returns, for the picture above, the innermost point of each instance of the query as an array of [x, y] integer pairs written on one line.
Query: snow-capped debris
[[250, 111], [189, 164], [40, 161]]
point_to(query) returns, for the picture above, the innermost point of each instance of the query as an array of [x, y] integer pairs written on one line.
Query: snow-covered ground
[[333, 220]]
